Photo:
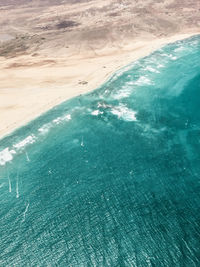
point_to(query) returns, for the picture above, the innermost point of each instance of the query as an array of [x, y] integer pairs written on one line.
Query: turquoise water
[[111, 178]]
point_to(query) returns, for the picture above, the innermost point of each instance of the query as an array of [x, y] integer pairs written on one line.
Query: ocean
[[110, 178]]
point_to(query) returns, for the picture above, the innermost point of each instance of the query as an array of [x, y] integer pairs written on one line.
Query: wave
[[125, 161], [151, 69], [45, 128], [124, 92], [96, 112], [61, 119], [28, 140], [143, 80], [124, 113], [6, 155]]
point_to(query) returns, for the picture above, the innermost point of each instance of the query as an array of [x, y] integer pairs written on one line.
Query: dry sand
[[50, 53]]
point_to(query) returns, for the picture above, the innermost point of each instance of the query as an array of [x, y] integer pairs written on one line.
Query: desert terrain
[[53, 50]]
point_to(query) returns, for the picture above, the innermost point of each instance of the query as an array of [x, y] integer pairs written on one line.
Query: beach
[[51, 59], [110, 178], [99, 133], [34, 90]]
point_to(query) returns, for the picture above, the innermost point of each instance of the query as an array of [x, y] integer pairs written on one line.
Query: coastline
[[50, 85]]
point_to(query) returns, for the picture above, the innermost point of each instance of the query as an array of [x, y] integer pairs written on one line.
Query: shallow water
[[111, 178]]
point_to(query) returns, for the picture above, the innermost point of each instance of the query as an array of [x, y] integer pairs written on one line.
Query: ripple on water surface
[[110, 178]]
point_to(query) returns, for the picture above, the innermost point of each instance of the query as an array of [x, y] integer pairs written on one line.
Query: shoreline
[[20, 104]]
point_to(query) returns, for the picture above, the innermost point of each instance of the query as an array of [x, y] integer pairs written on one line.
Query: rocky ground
[[73, 26]]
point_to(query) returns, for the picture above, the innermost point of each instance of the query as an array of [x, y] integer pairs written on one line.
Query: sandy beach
[[52, 59]]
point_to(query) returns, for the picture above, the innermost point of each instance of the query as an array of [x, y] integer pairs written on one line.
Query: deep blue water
[[111, 178]]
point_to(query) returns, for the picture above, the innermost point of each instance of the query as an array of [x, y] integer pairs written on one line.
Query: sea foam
[[28, 140], [96, 112], [124, 113], [124, 92], [143, 80], [6, 155], [47, 126], [63, 118]]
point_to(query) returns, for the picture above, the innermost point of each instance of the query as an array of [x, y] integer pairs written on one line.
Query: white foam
[[6, 155], [170, 56], [124, 113], [27, 157], [143, 81], [124, 92], [123, 70], [180, 49], [82, 143], [17, 189], [26, 210], [173, 57], [10, 186], [63, 118], [45, 128], [96, 112], [151, 69], [130, 83], [160, 66], [28, 140], [103, 105]]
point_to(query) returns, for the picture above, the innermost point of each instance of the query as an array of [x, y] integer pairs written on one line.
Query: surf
[[110, 177]]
